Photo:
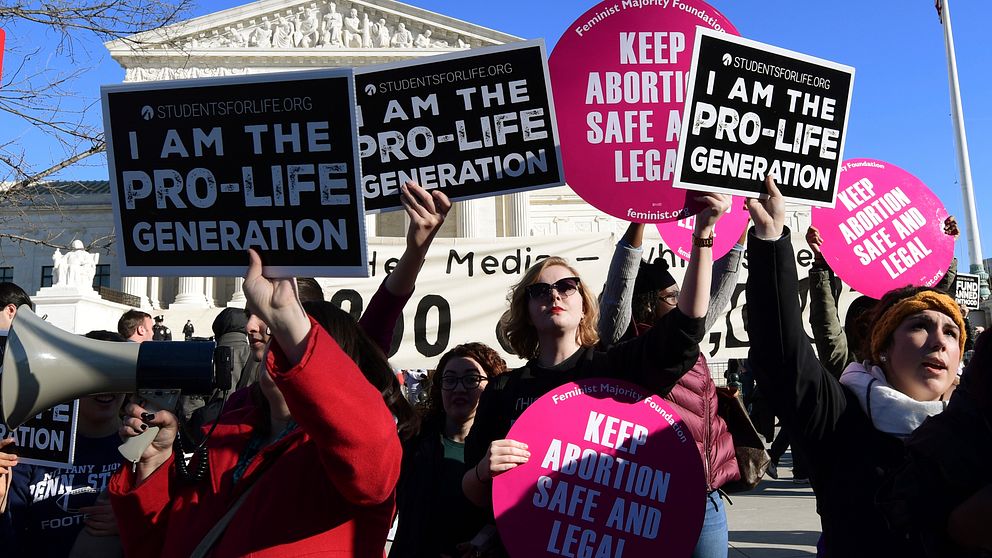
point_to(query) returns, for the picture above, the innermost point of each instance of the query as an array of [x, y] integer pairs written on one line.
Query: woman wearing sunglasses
[[552, 322], [434, 516]]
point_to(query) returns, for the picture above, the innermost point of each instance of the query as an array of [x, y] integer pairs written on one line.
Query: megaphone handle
[[134, 447], [155, 401]]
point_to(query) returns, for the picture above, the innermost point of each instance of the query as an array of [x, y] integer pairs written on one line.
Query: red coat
[[328, 486], [695, 399]]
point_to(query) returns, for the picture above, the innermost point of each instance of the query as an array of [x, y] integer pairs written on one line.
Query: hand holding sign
[[614, 473], [714, 207], [951, 227], [768, 214], [501, 456]]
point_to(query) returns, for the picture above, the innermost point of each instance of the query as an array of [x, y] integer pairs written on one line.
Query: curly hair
[[522, 334], [432, 410]]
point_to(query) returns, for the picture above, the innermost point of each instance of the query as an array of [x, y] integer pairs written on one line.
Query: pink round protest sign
[[677, 235], [612, 472], [886, 230], [619, 75]]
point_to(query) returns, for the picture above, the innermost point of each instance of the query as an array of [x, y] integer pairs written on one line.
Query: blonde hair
[[517, 326]]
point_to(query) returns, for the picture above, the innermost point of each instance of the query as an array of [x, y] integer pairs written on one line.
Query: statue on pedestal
[[74, 269]]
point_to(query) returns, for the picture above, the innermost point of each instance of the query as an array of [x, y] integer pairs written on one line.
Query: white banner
[[462, 289]]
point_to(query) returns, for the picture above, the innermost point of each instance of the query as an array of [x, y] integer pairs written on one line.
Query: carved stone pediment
[[272, 35]]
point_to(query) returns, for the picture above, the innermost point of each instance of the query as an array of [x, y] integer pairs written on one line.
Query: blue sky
[[900, 112]]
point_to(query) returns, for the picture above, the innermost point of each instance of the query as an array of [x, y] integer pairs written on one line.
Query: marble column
[[518, 211], [155, 292], [137, 286], [208, 291], [477, 218], [190, 293], [238, 299], [370, 224]]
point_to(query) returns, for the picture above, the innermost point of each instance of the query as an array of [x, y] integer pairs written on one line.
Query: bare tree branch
[[50, 47]]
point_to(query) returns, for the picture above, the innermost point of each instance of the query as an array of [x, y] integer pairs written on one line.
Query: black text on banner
[[967, 289]]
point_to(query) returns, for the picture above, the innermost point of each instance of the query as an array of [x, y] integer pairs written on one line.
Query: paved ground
[[776, 520]]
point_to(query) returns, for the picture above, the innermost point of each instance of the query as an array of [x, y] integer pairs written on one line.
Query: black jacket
[[434, 514], [848, 456], [948, 460], [655, 361]]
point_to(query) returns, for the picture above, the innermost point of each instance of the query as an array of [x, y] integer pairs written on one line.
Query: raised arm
[[725, 272], [326, 393], [800, 390], [947, 281], [657, 359], [427, 211], [336, 406], [829, 336], [694, 300], [618, 293]]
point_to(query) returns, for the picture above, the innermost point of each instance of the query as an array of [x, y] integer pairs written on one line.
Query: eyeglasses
[[449, 383], [670, 299], [565, 288]]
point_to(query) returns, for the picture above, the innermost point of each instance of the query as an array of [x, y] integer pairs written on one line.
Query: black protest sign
[[475, 124], [967, 288], [754, 110], [48, 438], [202, 170]]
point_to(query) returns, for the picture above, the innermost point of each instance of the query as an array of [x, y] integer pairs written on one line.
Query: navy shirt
[[43, 517]]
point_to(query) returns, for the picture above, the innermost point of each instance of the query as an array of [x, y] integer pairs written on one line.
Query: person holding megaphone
[[324, 482]]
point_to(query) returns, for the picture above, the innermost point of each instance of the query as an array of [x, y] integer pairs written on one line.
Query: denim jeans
[[713, 539]]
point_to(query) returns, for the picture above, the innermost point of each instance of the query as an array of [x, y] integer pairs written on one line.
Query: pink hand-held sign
[[612, 473], [886, 231], [678, 234], [619, 77]]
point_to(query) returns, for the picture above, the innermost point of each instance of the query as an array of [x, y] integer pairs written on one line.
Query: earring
[[883, 359], [268, 330]]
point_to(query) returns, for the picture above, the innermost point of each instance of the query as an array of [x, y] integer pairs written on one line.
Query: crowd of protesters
[[316, 451]]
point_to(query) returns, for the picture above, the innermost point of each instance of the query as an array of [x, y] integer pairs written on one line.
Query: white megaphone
[[44, 366]]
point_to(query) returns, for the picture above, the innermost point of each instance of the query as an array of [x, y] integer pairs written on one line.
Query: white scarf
[[890, 410]]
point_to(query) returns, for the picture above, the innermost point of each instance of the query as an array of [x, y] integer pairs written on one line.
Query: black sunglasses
[[565, 288]]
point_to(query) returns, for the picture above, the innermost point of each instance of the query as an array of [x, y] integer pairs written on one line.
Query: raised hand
[[815, 241], [768, 214], [716, 206], [951, 227], [427, 211], [277, 303]]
